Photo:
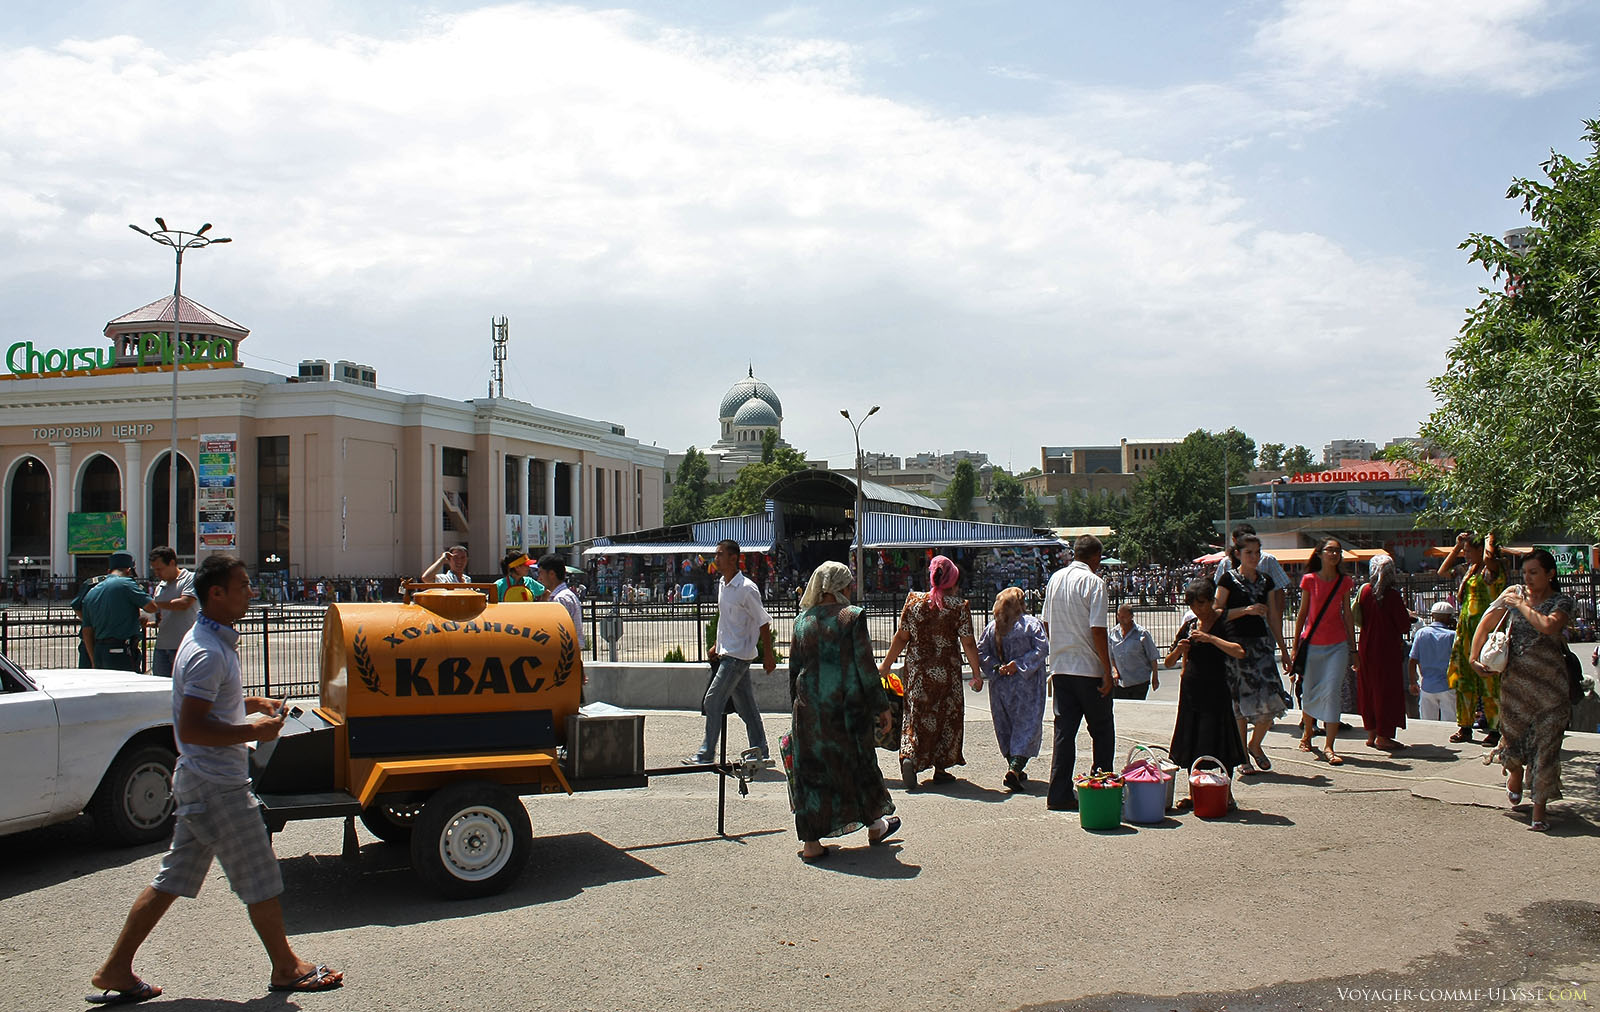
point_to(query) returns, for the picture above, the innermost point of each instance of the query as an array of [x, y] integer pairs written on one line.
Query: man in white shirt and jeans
[[743, 625], [1080, 668]]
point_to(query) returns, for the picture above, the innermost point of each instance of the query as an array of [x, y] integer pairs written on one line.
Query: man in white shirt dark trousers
[[743, 626], [1080, 668]]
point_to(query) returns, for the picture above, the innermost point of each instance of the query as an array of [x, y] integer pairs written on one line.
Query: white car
[[86, 741]]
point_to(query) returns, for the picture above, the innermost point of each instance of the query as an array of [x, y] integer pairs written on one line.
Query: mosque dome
[[744, 391], [756, 412]]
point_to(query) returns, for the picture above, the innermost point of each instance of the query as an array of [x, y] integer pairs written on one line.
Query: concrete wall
[[675, 686]]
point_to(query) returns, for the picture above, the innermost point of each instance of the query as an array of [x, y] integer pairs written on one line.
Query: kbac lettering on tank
[[504, 628], [455, 676]]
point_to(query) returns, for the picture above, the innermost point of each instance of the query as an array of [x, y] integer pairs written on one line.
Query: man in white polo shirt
[[1080, 668], [743, 626]]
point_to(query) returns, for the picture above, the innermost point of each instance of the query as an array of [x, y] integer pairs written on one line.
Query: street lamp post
[[180, 241], [861, 503]]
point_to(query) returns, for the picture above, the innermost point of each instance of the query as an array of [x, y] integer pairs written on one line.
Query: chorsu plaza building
[[323, 473]]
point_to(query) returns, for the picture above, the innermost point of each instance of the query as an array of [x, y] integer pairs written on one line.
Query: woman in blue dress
[[1013, 651]]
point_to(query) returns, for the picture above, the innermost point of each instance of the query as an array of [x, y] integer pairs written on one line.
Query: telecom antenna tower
[[500, 333]]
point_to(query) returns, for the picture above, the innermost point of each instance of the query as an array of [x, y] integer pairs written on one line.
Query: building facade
[[328, 476]]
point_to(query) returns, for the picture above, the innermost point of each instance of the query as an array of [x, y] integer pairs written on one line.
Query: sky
[[1010, 224]]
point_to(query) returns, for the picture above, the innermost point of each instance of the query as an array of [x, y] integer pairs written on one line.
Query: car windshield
[[14, 675]]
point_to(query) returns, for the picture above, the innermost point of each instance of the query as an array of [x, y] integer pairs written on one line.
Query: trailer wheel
[[471, 839], [391, 823], [133, 804]]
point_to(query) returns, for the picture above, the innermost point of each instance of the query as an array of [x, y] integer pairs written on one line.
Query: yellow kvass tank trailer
[[435, 716]]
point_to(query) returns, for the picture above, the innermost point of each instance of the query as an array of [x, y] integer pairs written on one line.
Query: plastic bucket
[[1099, 803], [1167, 766], [1210, 791], [1144, 793]]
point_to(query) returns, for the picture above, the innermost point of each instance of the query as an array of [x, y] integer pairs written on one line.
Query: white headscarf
[[1381, 571], [830, 578]]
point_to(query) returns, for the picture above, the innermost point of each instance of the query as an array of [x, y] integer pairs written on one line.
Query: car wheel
[[471, 839], [391, 823], [133, 804]]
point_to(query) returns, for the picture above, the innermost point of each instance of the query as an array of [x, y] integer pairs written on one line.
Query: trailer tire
[[471, 839], [133, 803], [391, 823]]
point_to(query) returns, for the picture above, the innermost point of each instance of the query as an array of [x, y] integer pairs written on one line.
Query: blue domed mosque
[[747, 412]]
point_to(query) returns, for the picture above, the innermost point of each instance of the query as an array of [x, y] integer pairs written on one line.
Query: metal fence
[[280, 647]]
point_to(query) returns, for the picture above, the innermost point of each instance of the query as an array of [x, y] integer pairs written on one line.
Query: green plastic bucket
[[1099, 803]]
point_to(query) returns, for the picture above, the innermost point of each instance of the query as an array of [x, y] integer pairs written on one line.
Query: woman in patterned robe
[[935, 632], [1534, 706], [1484, 581], [839, 707]]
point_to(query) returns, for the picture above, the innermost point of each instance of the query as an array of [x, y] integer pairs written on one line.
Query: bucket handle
[[1195, 766], [1137, 748]]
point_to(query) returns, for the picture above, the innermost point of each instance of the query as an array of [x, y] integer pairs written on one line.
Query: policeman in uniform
[[112, 630]]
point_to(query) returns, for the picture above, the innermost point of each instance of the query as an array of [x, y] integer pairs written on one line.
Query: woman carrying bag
[[1325, 650]]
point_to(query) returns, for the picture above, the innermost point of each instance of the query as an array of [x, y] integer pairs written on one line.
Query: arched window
[[101, 490], [160, 482], [28, 510]]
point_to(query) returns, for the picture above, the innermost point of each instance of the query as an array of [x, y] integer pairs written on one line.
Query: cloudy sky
[[1008, 223]]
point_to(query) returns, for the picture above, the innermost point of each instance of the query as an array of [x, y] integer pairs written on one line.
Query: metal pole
[[172, 479]]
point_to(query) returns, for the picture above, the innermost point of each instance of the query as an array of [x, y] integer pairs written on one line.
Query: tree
[[1030, 472], [769, 444], [1007, 494], [747, 493], [1172, 508], [687, 502], [958, 495], [1271, 456], [1032, 512], [1518, 410], [1299, 460]]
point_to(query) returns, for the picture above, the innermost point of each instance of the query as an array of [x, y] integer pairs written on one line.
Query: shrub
[[674, 656]]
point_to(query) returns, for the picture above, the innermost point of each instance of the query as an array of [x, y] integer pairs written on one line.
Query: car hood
[[60, 682]]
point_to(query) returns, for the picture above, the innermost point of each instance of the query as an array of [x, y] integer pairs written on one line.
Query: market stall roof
[[667, 548], [836, 488], [1440, 551], [900, 531]]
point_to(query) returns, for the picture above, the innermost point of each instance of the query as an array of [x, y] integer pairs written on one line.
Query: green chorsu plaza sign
[[23, 359]]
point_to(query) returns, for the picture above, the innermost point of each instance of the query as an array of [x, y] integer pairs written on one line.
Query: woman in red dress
[[1382, 649]]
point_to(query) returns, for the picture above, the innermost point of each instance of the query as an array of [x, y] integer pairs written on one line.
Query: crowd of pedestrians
[[1348, 658]]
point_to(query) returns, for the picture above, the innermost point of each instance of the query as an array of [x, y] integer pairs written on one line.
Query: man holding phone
[[217, 815]]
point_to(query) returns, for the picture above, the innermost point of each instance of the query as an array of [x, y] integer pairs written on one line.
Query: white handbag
[[1496, 652]]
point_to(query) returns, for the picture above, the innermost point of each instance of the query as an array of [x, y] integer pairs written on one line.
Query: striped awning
[[706, 548]]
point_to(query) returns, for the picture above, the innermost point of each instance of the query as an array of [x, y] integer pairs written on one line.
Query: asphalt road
[[1385, 874]]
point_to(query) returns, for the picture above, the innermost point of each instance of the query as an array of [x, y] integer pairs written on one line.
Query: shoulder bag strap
[[1322, 611]]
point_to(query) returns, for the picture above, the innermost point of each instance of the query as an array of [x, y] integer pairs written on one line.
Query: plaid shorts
[[224, 824]]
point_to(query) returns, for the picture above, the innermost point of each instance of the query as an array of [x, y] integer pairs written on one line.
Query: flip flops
[[891, 827], [319, 978], [141, 991]]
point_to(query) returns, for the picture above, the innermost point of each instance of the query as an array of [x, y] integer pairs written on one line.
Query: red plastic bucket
[[1210, 791]]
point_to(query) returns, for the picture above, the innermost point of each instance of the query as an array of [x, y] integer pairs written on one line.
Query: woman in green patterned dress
[[839, 709], [1484, 581]]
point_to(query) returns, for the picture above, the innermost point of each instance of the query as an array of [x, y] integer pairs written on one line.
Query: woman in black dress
[[1205, 724]]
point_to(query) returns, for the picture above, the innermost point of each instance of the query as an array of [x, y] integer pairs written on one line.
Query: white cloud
[[676, 204], [1484, 45]]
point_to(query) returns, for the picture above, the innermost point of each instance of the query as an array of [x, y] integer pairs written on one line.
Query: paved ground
[[1328, 889]]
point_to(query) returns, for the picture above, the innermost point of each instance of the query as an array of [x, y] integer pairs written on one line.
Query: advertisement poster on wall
[[217, 477], [96, 533], [1570, 559]]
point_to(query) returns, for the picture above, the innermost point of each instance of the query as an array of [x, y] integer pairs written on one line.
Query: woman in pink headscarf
[[935, 631]]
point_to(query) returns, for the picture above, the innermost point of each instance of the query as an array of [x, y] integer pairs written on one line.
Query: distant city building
[[1339, 449], [872, 463], [1093, 469]]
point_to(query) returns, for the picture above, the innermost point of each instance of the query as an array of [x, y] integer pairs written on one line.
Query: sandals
[[1463, 735], [890, 828], [1515, 797], [827, 852], [1305, 745], [943, 777], [1335, 759], [318, 978], [1539, 826], [1262, 762], [142, 991]]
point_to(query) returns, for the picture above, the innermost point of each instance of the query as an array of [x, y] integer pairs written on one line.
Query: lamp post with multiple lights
[[861, 504], [180, 241]]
